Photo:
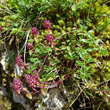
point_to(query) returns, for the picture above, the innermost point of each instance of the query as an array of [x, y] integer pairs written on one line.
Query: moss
[[4, 103]]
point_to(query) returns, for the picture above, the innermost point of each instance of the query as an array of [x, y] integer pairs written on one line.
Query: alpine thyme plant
[[33, 80], [71, 51], [37, 80]]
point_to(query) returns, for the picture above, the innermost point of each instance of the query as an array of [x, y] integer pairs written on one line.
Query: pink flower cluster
[[34, 31], [17, 85], [30, 80], [47, 24], [30, 46], [49, 38], [19, 61]]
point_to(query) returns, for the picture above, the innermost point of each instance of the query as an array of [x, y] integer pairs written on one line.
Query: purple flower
[[30, 80], [19, 61], [47, 24], [17, 85], [34, 31], [30, 46], [0, 28], [49, 38]]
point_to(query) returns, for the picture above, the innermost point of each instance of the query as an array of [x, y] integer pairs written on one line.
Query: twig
[[42, 64], [107, 50], [76, 98], [17, 45], [63, 34], [52, 71], [107, 2], [20, 26], [100, 105], [25, 44], [22, 47], [6, 8]]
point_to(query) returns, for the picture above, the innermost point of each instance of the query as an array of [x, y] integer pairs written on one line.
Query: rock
[[56, 98]]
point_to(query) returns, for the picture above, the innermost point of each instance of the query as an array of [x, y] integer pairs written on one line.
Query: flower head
[[30, 80], [0, 28], [47, 24], [30, 46], [19, 61], [34, 31], [17, 85], [49, 38]]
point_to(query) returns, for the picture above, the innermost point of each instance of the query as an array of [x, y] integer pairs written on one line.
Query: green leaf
[[25, 1], [80, 4], [88, 75], [63, 48], [14, 16], [103, 51], [29, 71], [91, 50], [49, 49], [38, 61], [10, 56], [68, 48], [70, 53], [28, 95], [30, 52], [31, 40], [86, 41], [97, 41], [81, 55], [89, 60], [73, 7], [14, 30], [80, 63], [81, 72], [33, 59], [61, 22], [86, 68], [11, 40], [15, 24]]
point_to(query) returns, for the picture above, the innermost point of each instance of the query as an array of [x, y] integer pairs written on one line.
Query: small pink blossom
[[47, 24], [34, 31]]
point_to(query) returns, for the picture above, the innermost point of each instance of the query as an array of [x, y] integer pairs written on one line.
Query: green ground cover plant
[[61, 43]]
